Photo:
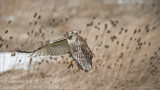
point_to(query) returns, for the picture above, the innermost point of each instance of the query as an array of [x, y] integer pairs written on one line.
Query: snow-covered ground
[[20, 60]]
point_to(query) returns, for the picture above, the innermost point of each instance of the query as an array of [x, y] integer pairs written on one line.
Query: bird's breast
[[72, 43]]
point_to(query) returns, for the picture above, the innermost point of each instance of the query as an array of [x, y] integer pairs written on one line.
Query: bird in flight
[[73, 44]]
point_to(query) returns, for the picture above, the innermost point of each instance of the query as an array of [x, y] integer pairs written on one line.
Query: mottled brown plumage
[[73, 44]]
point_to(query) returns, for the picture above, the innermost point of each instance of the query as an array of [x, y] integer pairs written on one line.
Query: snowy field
[[20, 60]]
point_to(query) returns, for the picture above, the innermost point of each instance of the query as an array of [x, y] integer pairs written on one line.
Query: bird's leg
[[79, 68], [70, 64], [70, 54]]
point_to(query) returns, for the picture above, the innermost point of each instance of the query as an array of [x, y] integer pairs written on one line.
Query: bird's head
[[71, 35]]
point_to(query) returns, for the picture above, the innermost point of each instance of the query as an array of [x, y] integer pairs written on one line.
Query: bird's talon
[[79, 68], [70, 64]]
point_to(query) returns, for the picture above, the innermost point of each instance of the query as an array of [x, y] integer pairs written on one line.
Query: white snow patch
[[8, 62]]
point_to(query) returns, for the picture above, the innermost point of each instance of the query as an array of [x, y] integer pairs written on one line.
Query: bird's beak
[[76, 33]]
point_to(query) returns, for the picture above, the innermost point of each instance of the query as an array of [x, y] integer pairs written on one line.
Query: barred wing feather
[[55, 48], [83, 56]]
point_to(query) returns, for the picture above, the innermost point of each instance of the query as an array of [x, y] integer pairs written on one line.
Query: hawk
[[73, 44]]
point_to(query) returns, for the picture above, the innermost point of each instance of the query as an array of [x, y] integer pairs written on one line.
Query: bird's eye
[[72, 32]]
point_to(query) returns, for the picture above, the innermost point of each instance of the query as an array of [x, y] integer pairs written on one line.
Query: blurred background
[[123, 35]]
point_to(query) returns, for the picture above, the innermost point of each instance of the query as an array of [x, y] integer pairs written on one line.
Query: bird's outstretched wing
[[55, 48], [83, 56]]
